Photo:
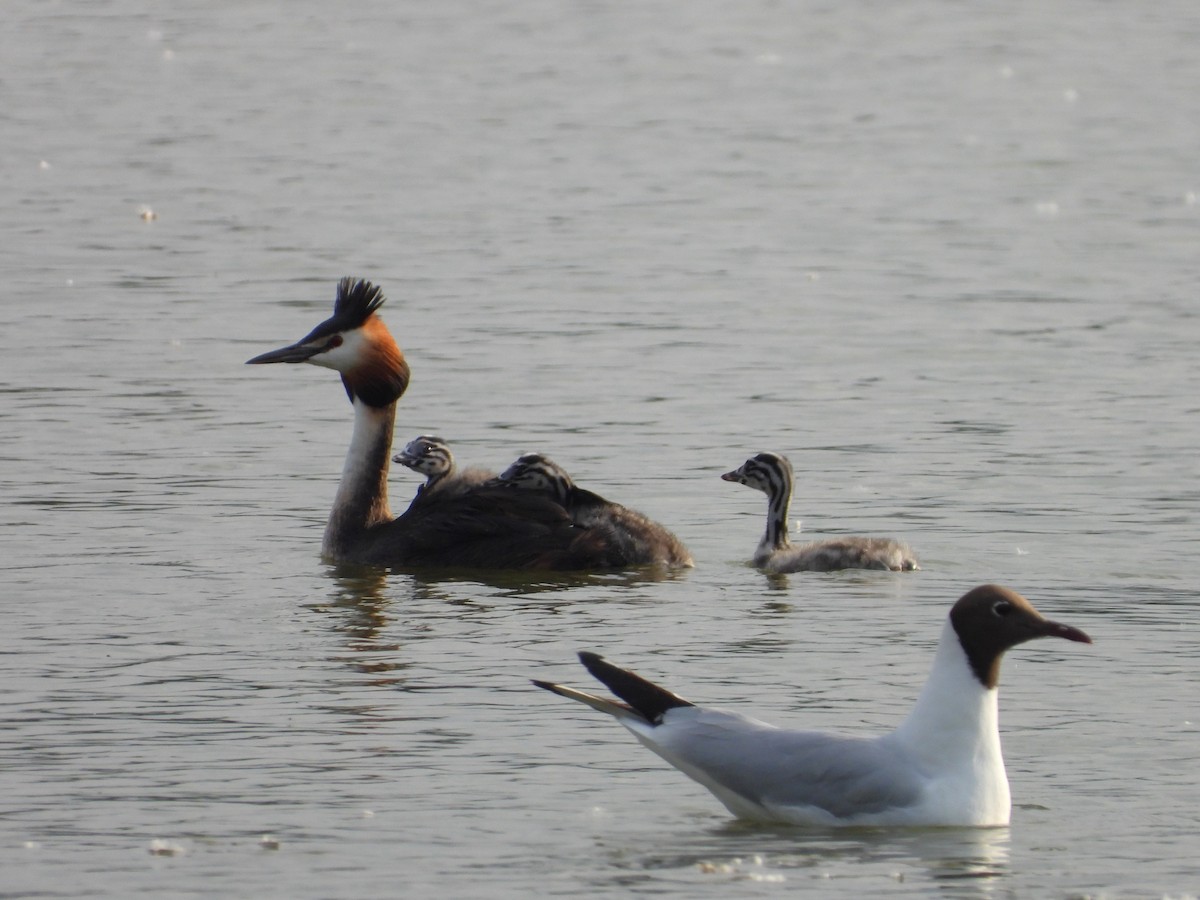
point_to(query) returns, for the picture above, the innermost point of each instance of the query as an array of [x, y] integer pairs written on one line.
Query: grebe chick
[[771, 473], [536, 472], [488, 527], [430, 456], [640, 537]]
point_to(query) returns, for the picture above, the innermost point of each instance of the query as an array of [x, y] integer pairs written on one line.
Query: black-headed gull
[[941, 766]]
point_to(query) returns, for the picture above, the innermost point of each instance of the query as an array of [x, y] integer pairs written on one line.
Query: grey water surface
[[943, 255]]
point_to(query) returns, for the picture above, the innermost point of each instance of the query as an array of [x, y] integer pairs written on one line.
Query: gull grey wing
[[776, 768]]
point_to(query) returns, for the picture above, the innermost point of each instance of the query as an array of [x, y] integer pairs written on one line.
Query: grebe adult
[[430, 456], [942, 766], [771, 473], [638, 536], [489, 528]]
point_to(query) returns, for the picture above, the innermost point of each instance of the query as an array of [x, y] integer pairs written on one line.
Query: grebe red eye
[[335, 341]]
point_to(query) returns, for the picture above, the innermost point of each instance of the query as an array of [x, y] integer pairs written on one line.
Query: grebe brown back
[[490, 527], [771, 473], [640, 537]]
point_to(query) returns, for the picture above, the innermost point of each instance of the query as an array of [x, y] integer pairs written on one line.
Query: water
[[943, 256]]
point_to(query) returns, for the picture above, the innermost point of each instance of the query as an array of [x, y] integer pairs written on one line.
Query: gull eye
[[1001, 608]]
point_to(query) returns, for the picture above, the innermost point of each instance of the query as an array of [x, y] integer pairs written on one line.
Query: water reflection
[[955, 855], [959, 862], [772, 609], [776, 581], [358, 592], [358, 606], [362, 600], [524, 583]]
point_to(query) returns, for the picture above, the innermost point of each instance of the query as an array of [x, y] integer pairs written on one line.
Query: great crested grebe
[[638, 536], [431, 456], [772, 474], [490, 527], [942, 766]]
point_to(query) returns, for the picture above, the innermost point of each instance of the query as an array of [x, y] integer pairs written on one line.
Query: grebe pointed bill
[[472, 527]]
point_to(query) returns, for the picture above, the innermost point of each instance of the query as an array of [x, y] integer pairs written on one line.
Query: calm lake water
[[942, 255]]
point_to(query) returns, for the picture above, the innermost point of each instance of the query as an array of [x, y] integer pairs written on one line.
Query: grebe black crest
[[639, 536], [356, 301], [489, 526], [771, 473]]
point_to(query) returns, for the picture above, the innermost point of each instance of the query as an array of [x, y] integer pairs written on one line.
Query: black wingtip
[[646, 698]]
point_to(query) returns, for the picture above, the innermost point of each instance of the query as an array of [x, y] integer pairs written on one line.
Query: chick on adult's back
[[431, 456], [492, 528], [771, 473], [635, 535]]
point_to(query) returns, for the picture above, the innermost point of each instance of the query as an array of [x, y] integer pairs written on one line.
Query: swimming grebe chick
[[771, 473], [488, 527], [430, 456], [640, 537]]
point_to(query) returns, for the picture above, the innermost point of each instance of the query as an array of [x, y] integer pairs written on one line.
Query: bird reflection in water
[[359, 603], [964, 863]]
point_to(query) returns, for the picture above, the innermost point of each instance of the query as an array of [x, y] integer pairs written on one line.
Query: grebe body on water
[[637, 535], [771, 473], [491, 527]]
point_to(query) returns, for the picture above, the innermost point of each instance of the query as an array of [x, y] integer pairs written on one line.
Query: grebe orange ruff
[[491, 527]]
